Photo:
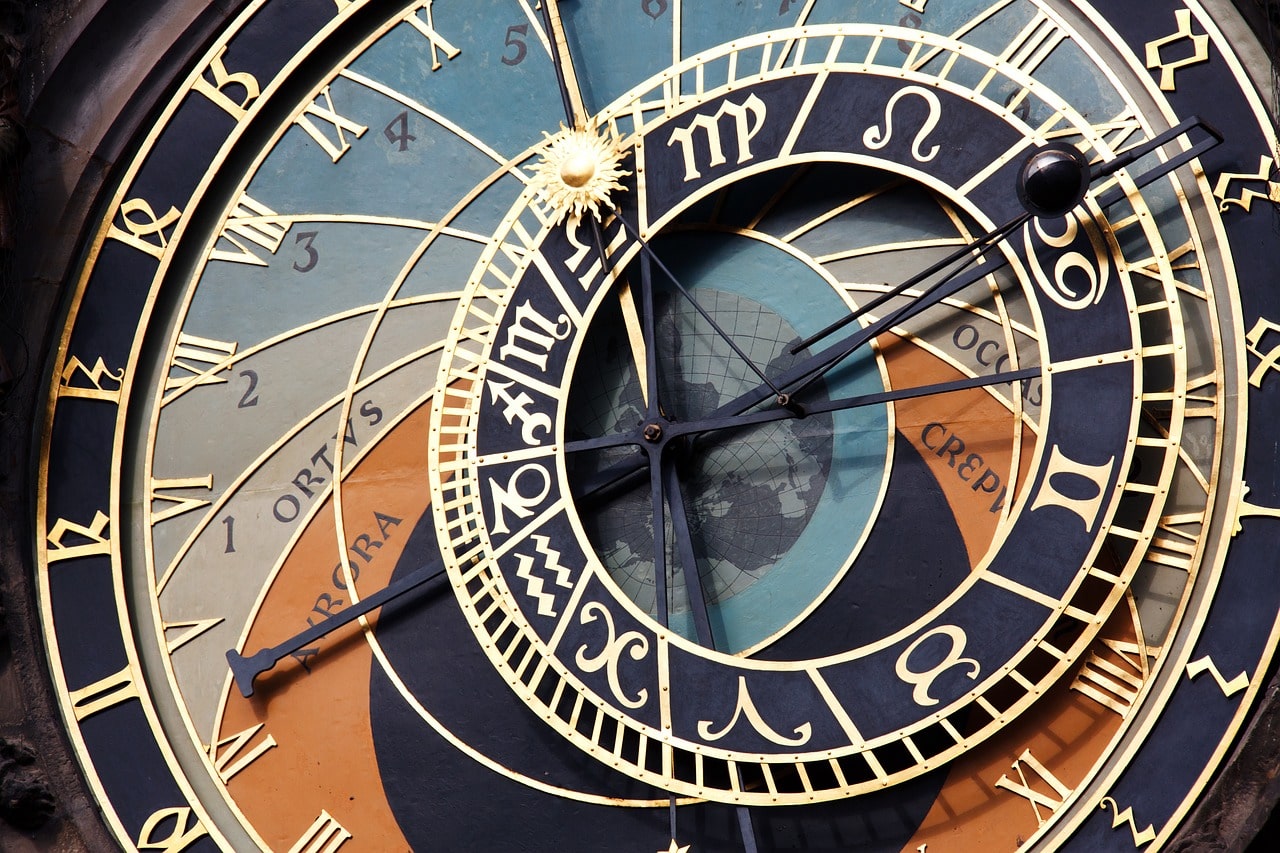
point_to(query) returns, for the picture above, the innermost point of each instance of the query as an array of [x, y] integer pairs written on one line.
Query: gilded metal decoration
[[608, 424], [578, 171]]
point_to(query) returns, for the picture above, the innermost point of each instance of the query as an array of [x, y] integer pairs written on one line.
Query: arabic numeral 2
[[654, 8], [249, 398]]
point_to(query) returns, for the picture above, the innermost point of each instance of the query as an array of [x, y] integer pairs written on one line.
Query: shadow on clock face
[[444, 798], [782, 515]]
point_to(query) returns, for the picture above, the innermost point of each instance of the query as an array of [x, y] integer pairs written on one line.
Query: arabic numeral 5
[[513, 40]]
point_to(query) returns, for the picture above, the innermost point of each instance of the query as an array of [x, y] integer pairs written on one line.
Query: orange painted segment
[[324, 758], [1066, 733], [966, 439]]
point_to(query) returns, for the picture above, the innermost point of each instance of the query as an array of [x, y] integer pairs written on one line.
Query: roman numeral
[[1181, 262], [1174, 542], [337, 125], [195, 361], [251, 223], [181, 503], [1113, 680], [915, 61], [1174, 547], [1114, 134], [103, 694], [325, 835], [1027, 52], [428, 29], [190, 630], [1032, 45], [1037, 798], [231, 761]]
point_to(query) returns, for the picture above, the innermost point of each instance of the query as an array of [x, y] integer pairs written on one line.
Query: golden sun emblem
[[578, 170]]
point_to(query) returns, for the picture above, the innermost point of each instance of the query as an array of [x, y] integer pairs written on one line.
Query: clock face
[[672, 426]]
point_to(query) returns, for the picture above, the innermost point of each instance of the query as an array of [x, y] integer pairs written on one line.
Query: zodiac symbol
[[876, 139]]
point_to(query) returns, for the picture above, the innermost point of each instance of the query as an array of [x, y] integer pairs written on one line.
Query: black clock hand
[[808, 371], [649, 324], [664, 482], [657, 492], [571, 97], [683, 535], [966, 253], [820, 366], [738, 351], [698, 606], [246, 669], [1132, 155], [570, 93], [952, 285], [676, 429], [802, 375], [1123, 160]]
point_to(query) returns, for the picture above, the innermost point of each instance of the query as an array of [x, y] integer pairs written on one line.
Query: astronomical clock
[[670, 425]]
